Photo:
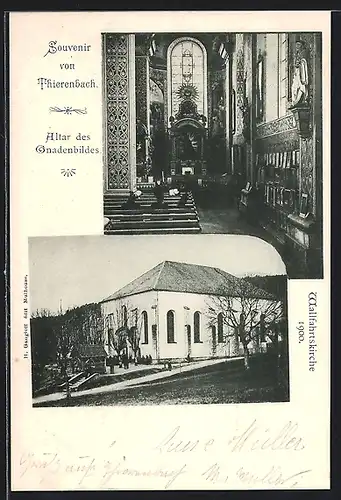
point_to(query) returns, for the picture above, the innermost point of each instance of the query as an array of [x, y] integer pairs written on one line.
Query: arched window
[[196, 326], [124, 315], [170, 327], [220, 328], [187, 69], [145, 327]]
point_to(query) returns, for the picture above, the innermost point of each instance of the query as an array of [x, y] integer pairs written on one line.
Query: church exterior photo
[[182, 311]]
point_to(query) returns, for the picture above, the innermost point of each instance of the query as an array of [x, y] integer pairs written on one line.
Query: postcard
[[170, 273]]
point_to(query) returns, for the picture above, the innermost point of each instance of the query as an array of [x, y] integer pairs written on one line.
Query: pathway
[[135, 381]]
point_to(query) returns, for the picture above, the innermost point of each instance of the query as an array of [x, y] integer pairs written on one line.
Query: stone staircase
[[78, 381], [146, 218]]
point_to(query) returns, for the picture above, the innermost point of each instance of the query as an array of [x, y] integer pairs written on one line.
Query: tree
[[250, 315], [43, 344], [277, 286], [41, 313], [87, 322], [134, 337], [124, 329], [66, 339], [119, 340], [54, 337]]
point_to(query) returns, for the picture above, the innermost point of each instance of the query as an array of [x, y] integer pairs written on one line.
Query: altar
[[187, 139]]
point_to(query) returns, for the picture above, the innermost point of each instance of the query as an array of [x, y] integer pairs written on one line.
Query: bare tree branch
[[249, 316]]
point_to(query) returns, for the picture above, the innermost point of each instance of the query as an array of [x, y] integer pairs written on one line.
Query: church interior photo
[[216, 133]]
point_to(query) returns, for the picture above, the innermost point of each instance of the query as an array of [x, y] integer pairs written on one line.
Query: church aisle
[[228, 221]]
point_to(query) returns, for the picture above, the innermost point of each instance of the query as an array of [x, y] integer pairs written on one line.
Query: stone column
[[229, 112], [119, 112], [253, 118]]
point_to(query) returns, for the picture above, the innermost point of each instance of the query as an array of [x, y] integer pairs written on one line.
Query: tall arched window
[[145, 326], [170, 327], [187, 68], [196, 326], [220, 328]]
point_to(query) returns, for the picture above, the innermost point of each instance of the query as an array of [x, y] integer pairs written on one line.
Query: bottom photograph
[[152, 320]]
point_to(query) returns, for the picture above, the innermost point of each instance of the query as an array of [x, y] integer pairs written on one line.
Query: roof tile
[[190, 278]]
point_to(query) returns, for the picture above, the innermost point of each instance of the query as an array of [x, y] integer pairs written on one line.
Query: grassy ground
[[222, 383], [103, 380]]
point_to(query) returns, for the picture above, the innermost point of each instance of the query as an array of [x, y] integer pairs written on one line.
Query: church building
[[220, 122], [177, 312]]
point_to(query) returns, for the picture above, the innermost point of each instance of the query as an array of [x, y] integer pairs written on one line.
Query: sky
[[82, 269]]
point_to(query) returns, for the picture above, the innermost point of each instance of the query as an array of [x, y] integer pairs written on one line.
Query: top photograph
[[216, 133]]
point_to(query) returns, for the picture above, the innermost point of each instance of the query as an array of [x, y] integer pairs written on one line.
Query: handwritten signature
[[103, 469], [254, 437], [273, 477]]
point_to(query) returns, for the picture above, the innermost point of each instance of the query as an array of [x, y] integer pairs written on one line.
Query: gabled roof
[[191, 278]]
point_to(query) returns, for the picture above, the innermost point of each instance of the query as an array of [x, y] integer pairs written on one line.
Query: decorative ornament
[[187, 91], [68, 110], [68, 172]]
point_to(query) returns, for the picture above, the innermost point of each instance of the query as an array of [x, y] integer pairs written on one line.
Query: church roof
[[191, 278]]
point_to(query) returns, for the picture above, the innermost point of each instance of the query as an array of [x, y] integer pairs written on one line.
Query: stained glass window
[[187, 67]]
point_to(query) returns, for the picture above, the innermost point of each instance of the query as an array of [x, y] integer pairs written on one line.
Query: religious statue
[[215, 123], [299, 88], [221, 112], [245, 109]]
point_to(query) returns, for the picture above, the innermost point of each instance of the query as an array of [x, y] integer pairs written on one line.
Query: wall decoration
[[304, 205], [155, 91], [159, 76], [117, 110], [260, 88], [239, 90], [217, 106], [245, 110], [187, 91], [307, 162], [141, 88], [278, 126], [233, 111], [156, 106]]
